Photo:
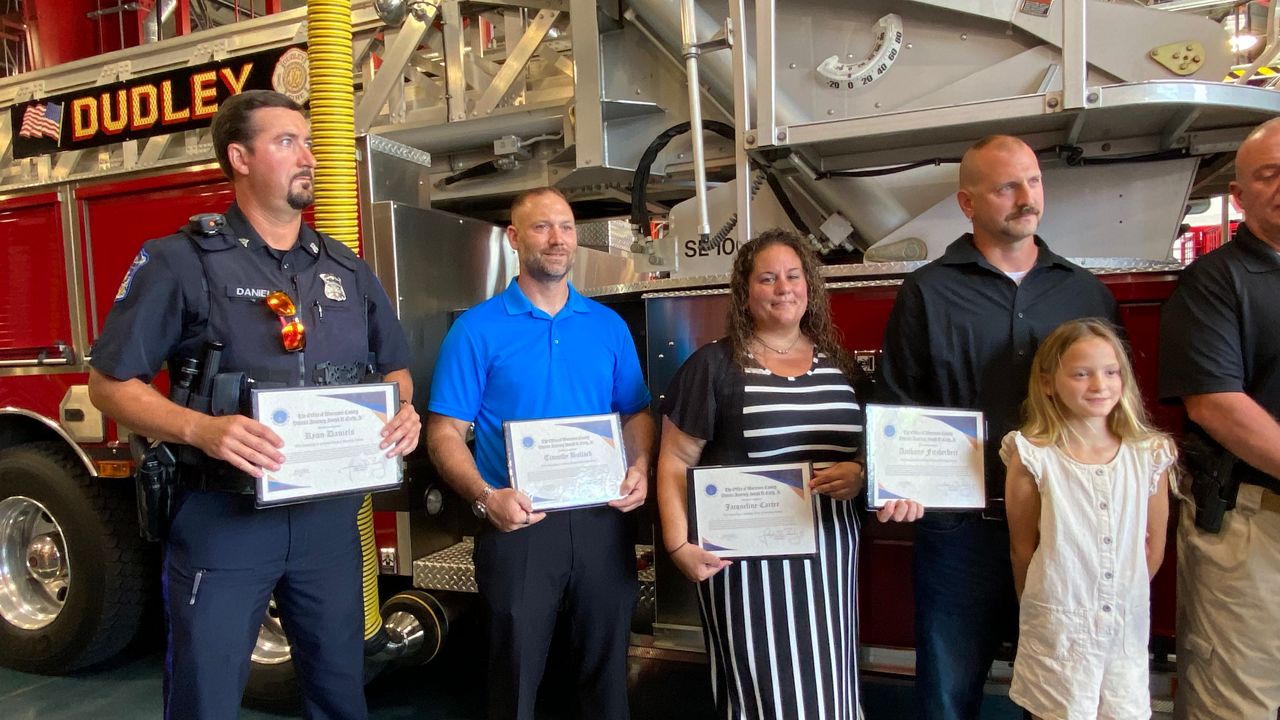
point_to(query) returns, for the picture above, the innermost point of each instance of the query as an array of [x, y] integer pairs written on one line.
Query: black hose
[[488, 167], [640, 181], [784, 200], [880, 172]]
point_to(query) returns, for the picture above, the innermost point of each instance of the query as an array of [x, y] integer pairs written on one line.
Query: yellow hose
[[334, 144]]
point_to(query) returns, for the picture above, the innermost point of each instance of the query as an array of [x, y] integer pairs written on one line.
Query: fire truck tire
[[74, 573]]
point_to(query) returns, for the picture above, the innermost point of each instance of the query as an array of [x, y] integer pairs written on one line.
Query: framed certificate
[[752, 511], [331, 436], [566, 462], [931, 455]]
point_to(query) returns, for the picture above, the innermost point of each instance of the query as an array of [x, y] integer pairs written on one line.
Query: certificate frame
[[935, 456], [563, 463], [730, 514], [338, 428]]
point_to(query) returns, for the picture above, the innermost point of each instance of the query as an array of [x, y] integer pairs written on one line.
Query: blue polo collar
[[517, 303]]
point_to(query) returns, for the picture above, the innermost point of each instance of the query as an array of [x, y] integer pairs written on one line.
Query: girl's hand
[[842, 481], [697, 564], [900, 511]]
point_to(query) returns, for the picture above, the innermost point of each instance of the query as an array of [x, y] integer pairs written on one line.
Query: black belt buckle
[[995, 510]]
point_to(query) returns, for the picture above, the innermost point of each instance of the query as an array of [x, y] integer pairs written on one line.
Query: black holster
[[1214, 480], [153, 485]]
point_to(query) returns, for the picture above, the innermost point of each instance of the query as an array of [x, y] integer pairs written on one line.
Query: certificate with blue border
[[931, 455], [567, 462], [331, 439], [752, 511]]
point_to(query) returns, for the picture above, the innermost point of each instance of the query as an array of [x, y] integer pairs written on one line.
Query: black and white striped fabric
[[782, 633]]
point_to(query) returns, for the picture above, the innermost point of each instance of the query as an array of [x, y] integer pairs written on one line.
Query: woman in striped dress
[[781, 633]]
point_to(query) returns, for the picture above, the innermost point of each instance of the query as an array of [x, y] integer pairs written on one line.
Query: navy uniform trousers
[[581, 563], [223, 561]]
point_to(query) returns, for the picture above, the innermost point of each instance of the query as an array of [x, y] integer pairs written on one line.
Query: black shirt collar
[[244, 230], [964, 252], [1259, 257]]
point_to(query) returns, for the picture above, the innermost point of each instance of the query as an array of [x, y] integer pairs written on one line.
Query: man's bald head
[[971, 165], [1000, 191], [1256, 188], [1268, 133]]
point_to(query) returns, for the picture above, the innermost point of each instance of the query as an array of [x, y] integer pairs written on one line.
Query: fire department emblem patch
[[127, 283], [290, 75], [333, 287]]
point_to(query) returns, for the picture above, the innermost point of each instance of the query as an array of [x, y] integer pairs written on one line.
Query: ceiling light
[[1243, 43]]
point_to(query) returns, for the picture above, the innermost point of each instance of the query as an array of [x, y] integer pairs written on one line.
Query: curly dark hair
[[816, 323]]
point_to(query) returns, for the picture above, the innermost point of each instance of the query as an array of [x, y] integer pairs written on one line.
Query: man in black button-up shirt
[[962, 334]]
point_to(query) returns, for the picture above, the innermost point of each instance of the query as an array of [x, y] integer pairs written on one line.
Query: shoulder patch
[[127, 283]]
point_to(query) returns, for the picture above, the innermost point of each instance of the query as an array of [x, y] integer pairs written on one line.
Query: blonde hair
[[1045, 417]]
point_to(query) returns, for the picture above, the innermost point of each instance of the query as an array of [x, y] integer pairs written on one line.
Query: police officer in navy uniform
[[223, 558]]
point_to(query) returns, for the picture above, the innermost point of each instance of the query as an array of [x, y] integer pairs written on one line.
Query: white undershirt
[[1016, 277]]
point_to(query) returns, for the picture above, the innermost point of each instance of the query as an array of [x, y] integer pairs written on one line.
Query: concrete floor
[[448, 690]]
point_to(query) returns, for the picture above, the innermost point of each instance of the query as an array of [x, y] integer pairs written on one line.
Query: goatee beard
[[300, 200]]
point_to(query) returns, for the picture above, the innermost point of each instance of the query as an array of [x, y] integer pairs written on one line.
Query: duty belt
[[197, 478]]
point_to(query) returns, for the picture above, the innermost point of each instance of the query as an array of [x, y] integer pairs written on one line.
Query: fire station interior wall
[[33, 305]]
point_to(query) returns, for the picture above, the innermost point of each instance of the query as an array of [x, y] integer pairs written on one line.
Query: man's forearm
[[1240, 425], [637, 436], [405, 380], [141, 408], [453, 460]]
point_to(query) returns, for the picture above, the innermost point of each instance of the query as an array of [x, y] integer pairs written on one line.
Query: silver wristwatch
[[480, 506]]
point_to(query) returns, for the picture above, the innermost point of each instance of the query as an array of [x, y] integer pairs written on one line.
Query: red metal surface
[[60, 31], [34, 311], [1200, 240], [885, 591], [39, 394], [182, 18], [116, 218]]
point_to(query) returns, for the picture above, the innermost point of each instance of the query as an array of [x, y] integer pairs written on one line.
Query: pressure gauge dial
[[853, 76]]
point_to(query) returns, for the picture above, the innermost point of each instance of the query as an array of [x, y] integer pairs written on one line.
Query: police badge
[[333, 287]]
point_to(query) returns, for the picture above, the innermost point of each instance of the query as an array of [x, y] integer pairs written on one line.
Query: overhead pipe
[[156, 19], [691, 53]]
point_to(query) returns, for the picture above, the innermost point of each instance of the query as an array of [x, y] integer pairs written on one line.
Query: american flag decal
[[42, 119]]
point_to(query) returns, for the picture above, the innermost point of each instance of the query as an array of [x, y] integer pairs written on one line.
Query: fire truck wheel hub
[[34, 572], [272, 647]]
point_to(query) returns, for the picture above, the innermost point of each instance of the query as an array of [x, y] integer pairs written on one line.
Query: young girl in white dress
[[1087, 500]]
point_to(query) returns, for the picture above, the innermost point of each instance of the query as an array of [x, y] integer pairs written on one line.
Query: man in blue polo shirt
[[541, 350]]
